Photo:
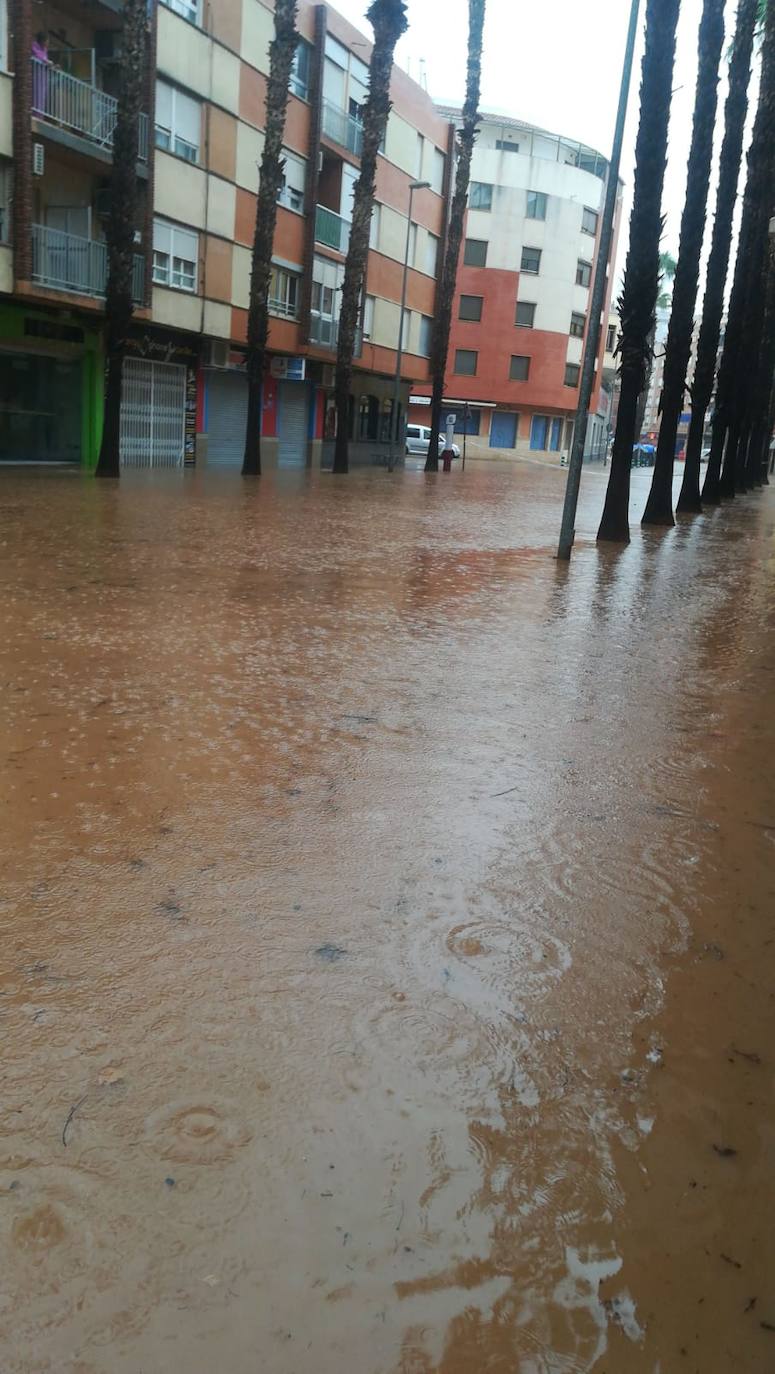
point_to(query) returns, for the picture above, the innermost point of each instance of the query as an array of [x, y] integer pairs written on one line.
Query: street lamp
[[394, 427]]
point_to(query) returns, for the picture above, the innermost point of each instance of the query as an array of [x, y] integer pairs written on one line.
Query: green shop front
[[51, 380]]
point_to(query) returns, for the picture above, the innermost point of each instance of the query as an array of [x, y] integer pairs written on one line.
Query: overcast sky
[[556, 65]]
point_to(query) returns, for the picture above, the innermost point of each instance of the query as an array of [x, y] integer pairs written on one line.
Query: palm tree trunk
[[281, 54], [641, 278], [446, 296], [718, 262], [388, 20], [659, 507], [761, 383], [121, 229], [745, 316]]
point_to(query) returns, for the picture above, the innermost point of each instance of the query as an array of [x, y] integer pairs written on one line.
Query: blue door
[[503, 429]]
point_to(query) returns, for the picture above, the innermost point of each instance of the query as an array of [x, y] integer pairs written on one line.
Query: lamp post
[[413, 186]]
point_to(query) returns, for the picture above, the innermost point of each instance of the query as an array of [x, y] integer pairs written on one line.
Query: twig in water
[[506, 790], [70, 1116]]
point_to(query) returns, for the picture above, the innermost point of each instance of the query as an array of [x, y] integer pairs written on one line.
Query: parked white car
[[418, 440]]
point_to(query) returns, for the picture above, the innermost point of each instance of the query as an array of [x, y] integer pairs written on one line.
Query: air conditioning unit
[[217, 353], [38, 159]]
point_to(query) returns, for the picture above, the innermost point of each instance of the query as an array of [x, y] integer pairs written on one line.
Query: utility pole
[[567, 529]]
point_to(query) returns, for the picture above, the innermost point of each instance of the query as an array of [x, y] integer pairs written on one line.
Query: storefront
[[286, 402], [50, 388], [159, 400]]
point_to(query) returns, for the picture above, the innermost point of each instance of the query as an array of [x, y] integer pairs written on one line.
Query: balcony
[[285, 309], [331, 229], [71, 104], [65, 262], [325, 332], [339, 126]]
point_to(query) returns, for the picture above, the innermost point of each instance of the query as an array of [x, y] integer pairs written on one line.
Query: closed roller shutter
[[503, 429], [227, 412], [153, 414], [293, 410]]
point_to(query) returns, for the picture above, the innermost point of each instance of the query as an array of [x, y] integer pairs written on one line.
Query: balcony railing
[[288, 310], [66, 262], [331, 229], [325, 332], [342, 128], [64, 100]]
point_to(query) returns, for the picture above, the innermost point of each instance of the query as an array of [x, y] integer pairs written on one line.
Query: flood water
[[387, 930]]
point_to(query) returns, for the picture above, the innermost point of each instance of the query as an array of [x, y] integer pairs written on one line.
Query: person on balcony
[[39, 72]]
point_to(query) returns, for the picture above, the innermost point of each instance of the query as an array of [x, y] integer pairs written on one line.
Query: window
[[368, 317], [588, 221], [531, 260], [284, 293], [6, 183], [555, 435], [291, 193], [505, 145], [519, 369], [572, 371], [536, 205], [470, 307], [175, 255], [376, 219], [539, 430], [426, 330], [526, 313], [465, 362], [577, 323], [610, 341], [299, 83], [3, 36], [436, 177], [480, 195], [431, 254], [475, 253], [412, 243], [583, 273], [187, 9], [345, 83], [178, 122], [420, 147]]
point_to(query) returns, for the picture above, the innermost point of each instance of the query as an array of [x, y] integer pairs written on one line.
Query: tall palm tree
[[739, 352], [667, 266], [641, 276], [735, 111], [446, 294], [659, 507], [388, 20], [281, 53], [120, 234], [759, 398]]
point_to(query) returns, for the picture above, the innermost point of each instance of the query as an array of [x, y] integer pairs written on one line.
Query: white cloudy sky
[[557, 64]]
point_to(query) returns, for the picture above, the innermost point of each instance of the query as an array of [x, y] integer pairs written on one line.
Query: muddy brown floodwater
[[387, 930]]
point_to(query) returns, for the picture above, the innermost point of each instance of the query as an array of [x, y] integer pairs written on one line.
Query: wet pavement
[[387, 942]]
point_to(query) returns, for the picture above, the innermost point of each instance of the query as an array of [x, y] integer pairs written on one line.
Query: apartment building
[[523, 290], [199, 148]]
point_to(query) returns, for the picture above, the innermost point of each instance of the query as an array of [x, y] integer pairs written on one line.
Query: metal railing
[[66, 262], [287, 309], [331, 229], [325, 332], [62, 99], [342, 128]]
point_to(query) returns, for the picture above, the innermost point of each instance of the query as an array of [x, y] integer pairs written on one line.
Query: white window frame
[[284, 292], [530, 271], [375, 225], [298, 85], [475, 190], [3, 35], [587, 210], [426, 327], [431, 254], [179, 146], [541, 200], [368, 316], [166, 237], [292, 191], [190, 10], [581, 267], [436, 177]]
